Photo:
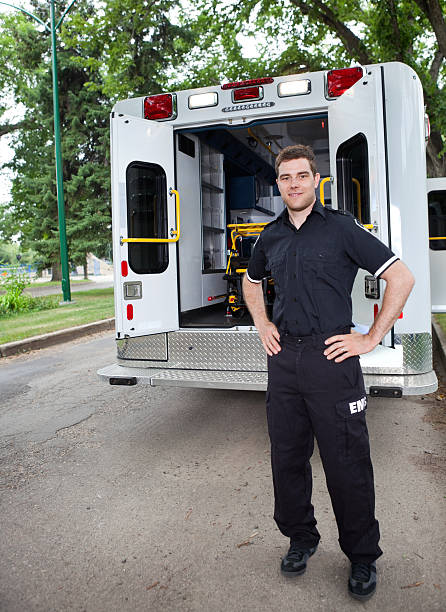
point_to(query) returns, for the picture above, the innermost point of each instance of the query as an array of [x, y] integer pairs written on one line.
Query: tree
[[32, 213], [124, 48], [306, 35]]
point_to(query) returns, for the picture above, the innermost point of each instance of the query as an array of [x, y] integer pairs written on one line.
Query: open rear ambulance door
[[145, 226], [358, 167], [436, 197]]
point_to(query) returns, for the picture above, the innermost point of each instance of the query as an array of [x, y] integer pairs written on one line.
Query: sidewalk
[[94, 282]]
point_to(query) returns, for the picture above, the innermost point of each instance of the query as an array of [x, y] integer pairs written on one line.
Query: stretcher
[[237, 266]]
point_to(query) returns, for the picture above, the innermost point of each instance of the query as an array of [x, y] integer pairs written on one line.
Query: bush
[[14, 300]]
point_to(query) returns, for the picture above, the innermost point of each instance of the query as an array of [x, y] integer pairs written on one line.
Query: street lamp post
[[57, 143]]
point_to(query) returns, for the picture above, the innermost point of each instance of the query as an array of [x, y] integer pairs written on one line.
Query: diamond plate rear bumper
[[411, 384]]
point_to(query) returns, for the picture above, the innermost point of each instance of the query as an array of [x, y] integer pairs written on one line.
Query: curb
[[57, 337], [439, 341]]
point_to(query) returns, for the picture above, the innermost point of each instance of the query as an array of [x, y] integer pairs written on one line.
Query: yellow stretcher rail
[[437, 237], [242, 230], [173, 232]]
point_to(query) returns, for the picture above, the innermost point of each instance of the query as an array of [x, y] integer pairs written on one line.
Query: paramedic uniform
[[314, 268]]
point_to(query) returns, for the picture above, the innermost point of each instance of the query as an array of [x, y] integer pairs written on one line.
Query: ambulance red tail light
[[129, 312], [124, 268], [338, 81], [160, 107], [236, 84], [247, 93]]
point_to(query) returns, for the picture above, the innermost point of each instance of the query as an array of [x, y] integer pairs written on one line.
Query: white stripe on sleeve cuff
[[384, 267], [251, 279]]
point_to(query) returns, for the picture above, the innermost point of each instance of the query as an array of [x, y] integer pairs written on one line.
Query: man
[[315, 382]]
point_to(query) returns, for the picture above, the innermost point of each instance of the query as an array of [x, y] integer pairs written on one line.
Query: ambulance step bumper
[[410, 384]]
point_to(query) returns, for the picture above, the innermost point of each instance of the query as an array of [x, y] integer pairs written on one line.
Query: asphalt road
[[160, 499]]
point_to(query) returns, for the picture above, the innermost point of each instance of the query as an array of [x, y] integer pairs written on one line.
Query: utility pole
[[52, 29]]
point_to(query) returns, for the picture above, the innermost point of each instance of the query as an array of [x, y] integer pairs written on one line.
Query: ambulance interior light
[[234, 85], [294, 88], [203, 100], [160, 107], [338, 81]]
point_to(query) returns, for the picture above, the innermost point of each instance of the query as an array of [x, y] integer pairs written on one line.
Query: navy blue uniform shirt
[[314, 268]]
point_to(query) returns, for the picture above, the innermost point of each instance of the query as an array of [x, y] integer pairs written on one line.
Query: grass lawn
[[87, 307], [441, 318]]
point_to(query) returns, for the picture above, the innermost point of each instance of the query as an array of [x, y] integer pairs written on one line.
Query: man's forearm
[[253, 294], [395, 296]]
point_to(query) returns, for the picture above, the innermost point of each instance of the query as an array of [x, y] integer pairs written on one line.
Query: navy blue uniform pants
[[311, 397]]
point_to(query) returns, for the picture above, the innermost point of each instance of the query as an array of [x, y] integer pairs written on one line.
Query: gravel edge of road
[[57, 337]]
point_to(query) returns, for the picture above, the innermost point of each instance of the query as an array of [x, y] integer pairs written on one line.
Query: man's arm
[[400, 282], [269, 335]]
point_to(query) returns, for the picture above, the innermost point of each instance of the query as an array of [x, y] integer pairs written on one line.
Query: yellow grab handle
[[173, 232], [321, 189]]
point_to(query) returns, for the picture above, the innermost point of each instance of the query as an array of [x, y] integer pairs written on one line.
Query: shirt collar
[[317, 207]]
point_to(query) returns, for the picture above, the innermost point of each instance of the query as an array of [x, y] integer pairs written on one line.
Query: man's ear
[[317, 178]]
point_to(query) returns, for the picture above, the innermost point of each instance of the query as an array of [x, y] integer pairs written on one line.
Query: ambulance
[[193, 183]]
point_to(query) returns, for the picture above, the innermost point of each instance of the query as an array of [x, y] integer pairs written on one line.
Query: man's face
[[297, 183]]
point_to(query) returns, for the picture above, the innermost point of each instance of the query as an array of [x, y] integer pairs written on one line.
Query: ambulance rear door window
[[147, 217], [352, 169], [437, 220]]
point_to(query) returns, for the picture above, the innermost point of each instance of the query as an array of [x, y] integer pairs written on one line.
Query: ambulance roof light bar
[[234, 85], [338, 81]]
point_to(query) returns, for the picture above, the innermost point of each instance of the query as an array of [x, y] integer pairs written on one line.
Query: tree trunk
[[56, 272], [436, 166], [85, 265]]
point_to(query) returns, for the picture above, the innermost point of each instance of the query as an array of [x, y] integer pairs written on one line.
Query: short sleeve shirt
[[314, 268]]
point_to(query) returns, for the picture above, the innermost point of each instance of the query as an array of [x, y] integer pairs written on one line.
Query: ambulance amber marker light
[[159, 107], [338, 81], [129, 312], [262, 81], [124, 268]]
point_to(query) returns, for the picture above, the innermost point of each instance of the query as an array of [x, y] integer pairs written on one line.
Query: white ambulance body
[[203, 159]]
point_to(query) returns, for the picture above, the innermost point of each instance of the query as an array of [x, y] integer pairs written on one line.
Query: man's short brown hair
[[296, 152]]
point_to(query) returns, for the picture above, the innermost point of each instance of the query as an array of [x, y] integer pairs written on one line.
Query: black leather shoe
[[362, 581], [295, 562]]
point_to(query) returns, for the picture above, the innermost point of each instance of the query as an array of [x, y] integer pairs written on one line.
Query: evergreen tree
[[104, 53]]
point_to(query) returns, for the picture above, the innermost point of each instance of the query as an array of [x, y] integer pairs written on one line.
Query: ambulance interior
[[236, 185]]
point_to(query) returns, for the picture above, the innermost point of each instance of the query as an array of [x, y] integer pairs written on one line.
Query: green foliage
[[13, 282], [294, 36], [105, 52]]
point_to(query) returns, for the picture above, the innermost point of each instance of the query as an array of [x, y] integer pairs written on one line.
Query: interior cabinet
[[212, 210]]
